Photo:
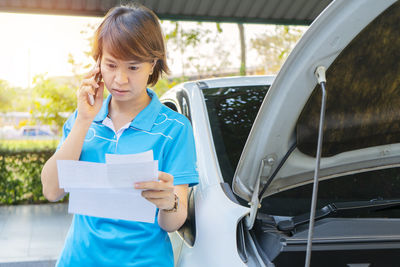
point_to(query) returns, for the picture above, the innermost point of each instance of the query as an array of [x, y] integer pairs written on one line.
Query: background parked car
[[36, 131], [256, 155], [27, 132]]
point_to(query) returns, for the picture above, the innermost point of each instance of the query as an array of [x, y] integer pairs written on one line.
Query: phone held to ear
[[97, 78]]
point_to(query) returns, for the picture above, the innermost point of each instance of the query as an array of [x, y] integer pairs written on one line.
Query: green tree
[[21, 99], [180, 39], [13, 98], [165, 84], [52, 101], [274, 46], [5, 97], [201, 49], [242, 49], [55, 97]]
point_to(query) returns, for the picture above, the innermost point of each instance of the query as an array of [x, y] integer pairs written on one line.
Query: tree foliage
[[6, 96], [165, 84], [274, 46], [54, 98], [52, 101], [201, 49], [12, 98]]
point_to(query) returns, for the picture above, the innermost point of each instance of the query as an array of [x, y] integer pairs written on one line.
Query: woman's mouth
[[119, 91]]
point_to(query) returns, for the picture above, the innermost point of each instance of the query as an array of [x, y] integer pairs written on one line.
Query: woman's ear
[[153, 65]]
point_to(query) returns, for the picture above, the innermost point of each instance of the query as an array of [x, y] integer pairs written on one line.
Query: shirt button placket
[[116, 143]]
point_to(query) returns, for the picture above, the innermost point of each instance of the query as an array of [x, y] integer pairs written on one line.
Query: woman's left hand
[[160, 193]]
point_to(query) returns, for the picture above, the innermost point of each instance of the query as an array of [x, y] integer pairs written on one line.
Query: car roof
[[232, 81]]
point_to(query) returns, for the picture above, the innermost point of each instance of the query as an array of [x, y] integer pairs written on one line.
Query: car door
[[178, 100]]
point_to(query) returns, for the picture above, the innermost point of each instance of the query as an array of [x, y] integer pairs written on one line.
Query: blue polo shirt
[[93, 241]]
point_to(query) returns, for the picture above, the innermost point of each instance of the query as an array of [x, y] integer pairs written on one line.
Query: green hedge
[[20, 174]]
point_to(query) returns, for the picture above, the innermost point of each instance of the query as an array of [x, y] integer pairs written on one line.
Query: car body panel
[[217, 215], [226, 215], [209, 191], [204, 145]]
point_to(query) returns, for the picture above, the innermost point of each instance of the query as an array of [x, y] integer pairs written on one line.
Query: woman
[[130, 48]]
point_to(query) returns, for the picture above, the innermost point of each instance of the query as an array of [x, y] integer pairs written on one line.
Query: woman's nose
[[121, 77]]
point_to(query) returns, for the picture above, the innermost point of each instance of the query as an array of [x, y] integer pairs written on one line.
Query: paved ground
[[32, 235]]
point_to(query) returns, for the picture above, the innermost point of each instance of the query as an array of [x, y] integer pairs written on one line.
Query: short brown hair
[[132, 32]]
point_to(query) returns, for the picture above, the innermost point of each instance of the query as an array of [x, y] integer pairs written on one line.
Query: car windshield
[[232, 111]]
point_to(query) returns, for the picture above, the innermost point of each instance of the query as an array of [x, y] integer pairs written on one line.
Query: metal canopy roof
[[297, 12]]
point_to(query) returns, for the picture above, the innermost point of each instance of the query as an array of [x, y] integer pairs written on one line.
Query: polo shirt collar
[[147, 117], [103, 111], [144, 120]]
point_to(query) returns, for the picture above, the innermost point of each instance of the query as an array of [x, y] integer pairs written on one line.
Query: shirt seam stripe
[[167, 136], [168, 119]]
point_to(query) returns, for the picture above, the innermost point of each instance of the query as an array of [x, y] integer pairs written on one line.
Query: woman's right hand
[[89, 86]]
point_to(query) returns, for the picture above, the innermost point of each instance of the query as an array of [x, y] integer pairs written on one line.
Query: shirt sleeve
[[67, 128], [180, 156]]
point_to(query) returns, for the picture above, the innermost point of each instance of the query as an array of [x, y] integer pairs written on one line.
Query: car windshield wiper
[[336, 208]]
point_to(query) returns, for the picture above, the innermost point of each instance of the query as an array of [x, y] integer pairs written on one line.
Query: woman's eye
[[133, 67], [111, 65]]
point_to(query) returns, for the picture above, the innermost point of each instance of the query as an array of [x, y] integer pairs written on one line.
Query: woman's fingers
[[166, 181], [88, 87], [162, 199], [152, 194], [155, 185], [160, 193], [90, 96], [90, 82], [91, 73], [165, 177]]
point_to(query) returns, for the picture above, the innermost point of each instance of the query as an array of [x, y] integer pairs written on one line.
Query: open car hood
[[358, 42]]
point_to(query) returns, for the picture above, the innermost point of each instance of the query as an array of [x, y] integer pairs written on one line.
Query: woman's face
[[125, 80]]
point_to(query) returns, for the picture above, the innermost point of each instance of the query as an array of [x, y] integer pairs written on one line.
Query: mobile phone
[[97, 78]]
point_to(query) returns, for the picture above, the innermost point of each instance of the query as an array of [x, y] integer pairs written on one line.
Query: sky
[[34, 44]]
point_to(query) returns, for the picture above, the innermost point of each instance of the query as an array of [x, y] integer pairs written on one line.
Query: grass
[[27, 144]]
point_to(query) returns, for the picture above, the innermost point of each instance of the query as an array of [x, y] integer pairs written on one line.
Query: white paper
[[82, 174], [128, 158], [121, 205], [127, 174], [73, 173], [107, 189]]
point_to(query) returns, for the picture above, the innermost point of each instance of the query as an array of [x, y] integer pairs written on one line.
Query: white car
[[257, 156], [37, 132]]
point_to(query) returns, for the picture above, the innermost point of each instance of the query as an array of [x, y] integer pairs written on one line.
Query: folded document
[[107, 189]]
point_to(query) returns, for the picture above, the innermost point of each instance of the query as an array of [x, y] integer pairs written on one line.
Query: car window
[[43, 133], [231, 112], [29, 132], [170, 105], [379, 184]]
